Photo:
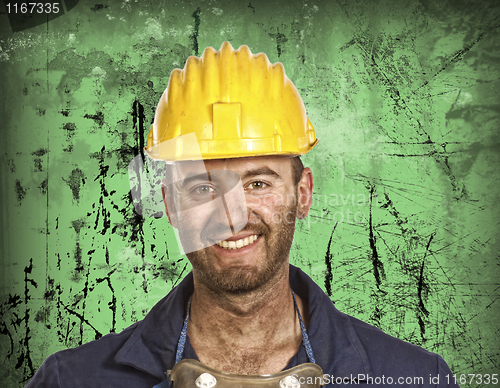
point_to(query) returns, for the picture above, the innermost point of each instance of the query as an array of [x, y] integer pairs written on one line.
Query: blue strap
[[180, 347], [182, 338], [305, 337]]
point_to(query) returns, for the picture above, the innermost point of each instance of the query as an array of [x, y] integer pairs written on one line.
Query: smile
[[238, 243]]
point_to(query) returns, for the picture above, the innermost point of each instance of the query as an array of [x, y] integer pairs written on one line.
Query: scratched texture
[[403, 231]]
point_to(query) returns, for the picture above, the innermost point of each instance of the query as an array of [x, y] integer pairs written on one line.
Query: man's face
[[257, 235]]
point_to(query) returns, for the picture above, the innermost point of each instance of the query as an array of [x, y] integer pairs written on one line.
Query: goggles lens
[[192, 373]]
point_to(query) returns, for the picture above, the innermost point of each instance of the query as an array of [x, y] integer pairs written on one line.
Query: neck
[[251, 333]]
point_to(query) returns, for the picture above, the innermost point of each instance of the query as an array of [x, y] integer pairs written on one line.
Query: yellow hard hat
[[236, 103]]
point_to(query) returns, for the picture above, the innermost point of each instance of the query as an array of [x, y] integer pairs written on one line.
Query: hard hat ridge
[[238, 104]]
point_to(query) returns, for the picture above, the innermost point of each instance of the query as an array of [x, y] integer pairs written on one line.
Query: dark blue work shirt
[[348, 350]]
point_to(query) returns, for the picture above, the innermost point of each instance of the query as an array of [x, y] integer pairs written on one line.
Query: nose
[[203, 225], [236, 207]]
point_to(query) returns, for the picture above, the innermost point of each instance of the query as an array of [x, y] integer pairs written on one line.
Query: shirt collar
[[336, 346], [152, 346]]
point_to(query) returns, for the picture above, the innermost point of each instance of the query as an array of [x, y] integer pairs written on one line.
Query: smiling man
[[231, 128], [242, 302]]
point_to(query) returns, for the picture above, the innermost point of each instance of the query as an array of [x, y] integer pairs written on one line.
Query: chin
[[235, 279]]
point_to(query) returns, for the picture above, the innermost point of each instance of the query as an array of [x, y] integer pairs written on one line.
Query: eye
[[258, 185], [203, 189]]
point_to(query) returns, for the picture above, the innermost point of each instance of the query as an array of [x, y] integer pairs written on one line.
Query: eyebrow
[[192, 178], [261, 171], [248, 174]]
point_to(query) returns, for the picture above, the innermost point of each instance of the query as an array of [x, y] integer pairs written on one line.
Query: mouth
[[238, 244]]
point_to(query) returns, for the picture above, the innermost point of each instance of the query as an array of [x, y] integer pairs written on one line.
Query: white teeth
[[238, 243]]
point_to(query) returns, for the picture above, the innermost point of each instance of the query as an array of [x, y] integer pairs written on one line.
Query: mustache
[[214, 231]]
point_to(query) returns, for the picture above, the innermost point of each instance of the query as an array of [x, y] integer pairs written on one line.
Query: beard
[[277, 244]]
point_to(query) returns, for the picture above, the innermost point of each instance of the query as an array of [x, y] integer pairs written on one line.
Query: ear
[[169, 204], [304, 193]]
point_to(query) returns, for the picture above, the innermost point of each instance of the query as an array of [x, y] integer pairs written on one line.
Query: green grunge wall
[[403, 231]]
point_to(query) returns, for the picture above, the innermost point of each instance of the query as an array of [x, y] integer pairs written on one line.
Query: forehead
[[279, 164]]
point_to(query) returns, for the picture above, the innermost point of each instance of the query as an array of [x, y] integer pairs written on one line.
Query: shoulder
[[383, 349], [346, 347], [397, 361], [83, 365], [136, 357]]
